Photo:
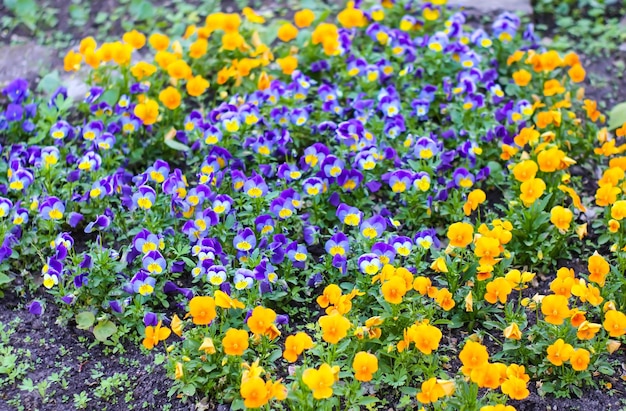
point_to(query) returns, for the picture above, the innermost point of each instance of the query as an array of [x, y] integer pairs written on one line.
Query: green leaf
[[269, 34], [237, 404], [10, 4], [188, 262], [275, 355], [494, 168], [442, 321], [409, 391], [111, 96], [617, 116], [509, 346], [511, 89], [104, 330], [456, 322], [27, 385], [4, 279], [189, 390], [347, 285], [25, 8], [368, 400], [141, 10], [159, 359], [230, 221], [85, 320], [21, 8], [606, 370], [79, 14], [49, 83], [176, 145], [101, 17], [547, 388], [490, 325]]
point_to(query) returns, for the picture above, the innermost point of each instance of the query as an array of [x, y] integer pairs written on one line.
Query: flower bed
[[329, 216]]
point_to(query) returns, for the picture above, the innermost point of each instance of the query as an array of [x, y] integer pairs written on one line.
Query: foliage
[[303, 212]]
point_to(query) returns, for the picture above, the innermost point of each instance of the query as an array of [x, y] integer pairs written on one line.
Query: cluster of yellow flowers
[[555, 308], [488, 244], [512, 379], [396, 282], [176, 61], [544, 63], [256, 391]]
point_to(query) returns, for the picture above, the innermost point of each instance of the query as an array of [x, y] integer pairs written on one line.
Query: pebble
[[25, 59], [76, 86]]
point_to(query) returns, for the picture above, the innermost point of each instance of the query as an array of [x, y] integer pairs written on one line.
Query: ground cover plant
[[386, 207]]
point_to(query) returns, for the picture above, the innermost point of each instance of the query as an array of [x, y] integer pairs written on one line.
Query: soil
[[609, 81], [592, 400], [56, 349]]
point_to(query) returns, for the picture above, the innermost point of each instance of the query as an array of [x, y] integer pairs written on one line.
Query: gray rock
[[523, 6], [26, 60], [76, 86]]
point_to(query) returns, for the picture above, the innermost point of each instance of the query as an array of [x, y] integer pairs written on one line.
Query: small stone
[[76, 86], [26, 60]]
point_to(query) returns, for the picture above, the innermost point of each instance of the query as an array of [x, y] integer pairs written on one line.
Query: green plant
[[30, 13], [81, 400], [14, 364], [27, 385], [11, 368], [591, 26], [110, 387]]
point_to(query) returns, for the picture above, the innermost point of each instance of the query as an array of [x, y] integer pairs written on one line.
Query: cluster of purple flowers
[[270, 174]]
